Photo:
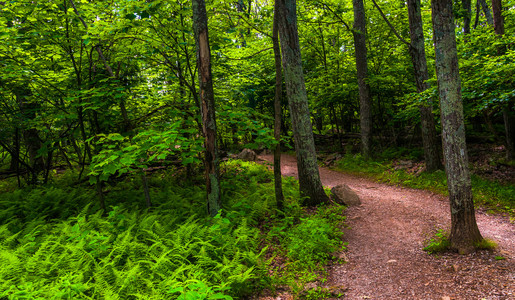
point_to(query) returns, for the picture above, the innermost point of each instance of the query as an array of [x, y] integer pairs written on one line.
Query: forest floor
[[386, 235]]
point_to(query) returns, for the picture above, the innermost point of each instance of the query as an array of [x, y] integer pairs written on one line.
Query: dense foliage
[[55, 244]]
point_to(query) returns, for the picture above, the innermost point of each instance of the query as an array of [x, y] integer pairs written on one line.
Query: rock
[[342, 194], [247, 155], [391, 261]]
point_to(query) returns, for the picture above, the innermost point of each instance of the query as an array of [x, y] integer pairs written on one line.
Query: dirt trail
[[386, 235]]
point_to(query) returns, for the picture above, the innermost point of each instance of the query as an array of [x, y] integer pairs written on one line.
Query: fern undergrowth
[[56, 244]]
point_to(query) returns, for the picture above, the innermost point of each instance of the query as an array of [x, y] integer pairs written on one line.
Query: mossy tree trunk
[[464, 230], [359, 34], [279, 196], [430, 141], [207, 106], [309, 176]]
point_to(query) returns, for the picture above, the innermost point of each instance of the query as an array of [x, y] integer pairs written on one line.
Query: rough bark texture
[[207, 107], [430, 141], [466, 5], [359, 33], [279, 197], [464, 230], [309, 177]]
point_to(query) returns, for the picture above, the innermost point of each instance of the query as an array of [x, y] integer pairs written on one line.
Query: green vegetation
[[492, 194], [54, 243], [438, 243]]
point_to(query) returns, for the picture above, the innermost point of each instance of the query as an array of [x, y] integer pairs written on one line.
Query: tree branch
[[390, 24]]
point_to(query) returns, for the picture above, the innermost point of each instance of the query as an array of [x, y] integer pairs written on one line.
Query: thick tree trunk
[[279, 196], [464, 230], [207, 107], [498, 18], [430, 141], [359, 33], [309, 176]]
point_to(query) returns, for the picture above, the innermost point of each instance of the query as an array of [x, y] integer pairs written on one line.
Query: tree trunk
[[207, 107], [466, 5], [430, 141], [359, 33], [279, 196], [486, 10], [464, 230], [507, 112], [309, 176], [30, 134]]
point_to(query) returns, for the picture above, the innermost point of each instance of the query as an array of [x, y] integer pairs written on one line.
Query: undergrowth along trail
[[386, 235]]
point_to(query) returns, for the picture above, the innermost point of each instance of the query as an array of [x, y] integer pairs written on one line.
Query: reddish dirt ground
[[386, 235]]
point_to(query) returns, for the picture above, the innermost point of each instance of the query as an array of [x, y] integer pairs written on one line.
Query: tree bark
[[466, 5], [207, 107], [486, 11], [430, 141], [359, 33], [309, 176], [279, 196], [464, 231]]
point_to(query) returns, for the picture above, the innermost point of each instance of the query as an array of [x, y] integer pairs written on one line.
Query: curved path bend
[[386, 235]]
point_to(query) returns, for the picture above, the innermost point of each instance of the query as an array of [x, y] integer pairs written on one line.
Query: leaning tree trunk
[[309, 176], [486, 10], [207, 107], [430, 141], [279, 196], [359, 33], [464, 230]]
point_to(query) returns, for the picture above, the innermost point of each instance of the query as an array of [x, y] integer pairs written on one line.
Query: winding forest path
[[386, 235]]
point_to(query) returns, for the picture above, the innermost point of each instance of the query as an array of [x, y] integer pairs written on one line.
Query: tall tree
[[430, 142], [417, 52], [508, 111], [464, 230], [309, 176], [359, 33], [279, 196], [207, 107]]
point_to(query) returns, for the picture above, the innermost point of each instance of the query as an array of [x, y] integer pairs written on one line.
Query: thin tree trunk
[[486, 10], [466, 5], [30, 135], [430, 141], [309, 176], [464, 231], [207, 107], [359, 33], [279, 196], [507, 112]]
